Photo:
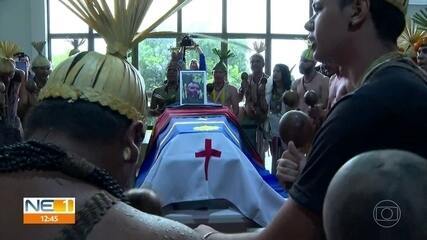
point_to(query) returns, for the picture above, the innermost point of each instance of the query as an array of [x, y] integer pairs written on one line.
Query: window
[[100, 45], [279, 23], [156, 11], [61, 49], [246, 16], [202, 16], [153, 59], [284, 10], [62, 21], [243, 50], [288, 52]]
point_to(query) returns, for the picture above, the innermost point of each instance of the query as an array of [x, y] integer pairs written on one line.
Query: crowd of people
[[341, 141]]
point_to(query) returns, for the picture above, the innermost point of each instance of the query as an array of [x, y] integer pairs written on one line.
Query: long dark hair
[[286, 76]]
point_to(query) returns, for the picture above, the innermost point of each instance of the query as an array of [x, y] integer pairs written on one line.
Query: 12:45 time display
[[49, 218]]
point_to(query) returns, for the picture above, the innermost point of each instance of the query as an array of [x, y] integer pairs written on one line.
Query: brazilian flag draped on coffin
[[200, 153]]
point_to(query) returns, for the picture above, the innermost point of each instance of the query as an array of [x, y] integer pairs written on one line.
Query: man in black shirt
[[385, 111]]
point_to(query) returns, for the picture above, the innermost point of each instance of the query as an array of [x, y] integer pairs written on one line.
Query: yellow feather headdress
[[223, 55], [107, 79], [7, 50]]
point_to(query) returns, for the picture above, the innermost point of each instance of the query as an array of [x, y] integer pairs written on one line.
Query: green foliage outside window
[[154, 56]]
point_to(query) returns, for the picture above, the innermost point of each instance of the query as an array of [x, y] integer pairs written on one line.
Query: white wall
[[23, 21]]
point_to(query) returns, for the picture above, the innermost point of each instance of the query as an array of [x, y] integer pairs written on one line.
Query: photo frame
[[192, 87]]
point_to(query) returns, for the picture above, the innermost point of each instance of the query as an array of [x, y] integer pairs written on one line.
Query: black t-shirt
[[389, 111]]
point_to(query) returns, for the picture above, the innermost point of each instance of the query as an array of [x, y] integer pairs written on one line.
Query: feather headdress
[[7, 50], [107, 79], [223, 56], [259, 47], [76, 44], [40, 60], [409, 38], [420, 18]]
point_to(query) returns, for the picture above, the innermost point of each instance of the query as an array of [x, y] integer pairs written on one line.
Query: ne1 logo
[[49, 210]]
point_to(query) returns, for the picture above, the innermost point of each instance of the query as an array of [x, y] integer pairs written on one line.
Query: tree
[[154, 55]]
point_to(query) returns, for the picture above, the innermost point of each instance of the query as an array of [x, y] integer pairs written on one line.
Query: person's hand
[[206, 232], [290, 165]]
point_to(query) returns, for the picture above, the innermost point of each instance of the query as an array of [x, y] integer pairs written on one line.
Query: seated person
[[83, 141], [387, 203], [145, 200]]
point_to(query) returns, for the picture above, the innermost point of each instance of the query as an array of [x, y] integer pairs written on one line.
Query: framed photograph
[[192, 87]]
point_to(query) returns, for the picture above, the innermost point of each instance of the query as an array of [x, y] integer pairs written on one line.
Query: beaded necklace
[[35, 156]]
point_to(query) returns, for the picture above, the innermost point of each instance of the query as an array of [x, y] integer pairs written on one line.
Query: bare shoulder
[[125, 222], [231, 89]]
